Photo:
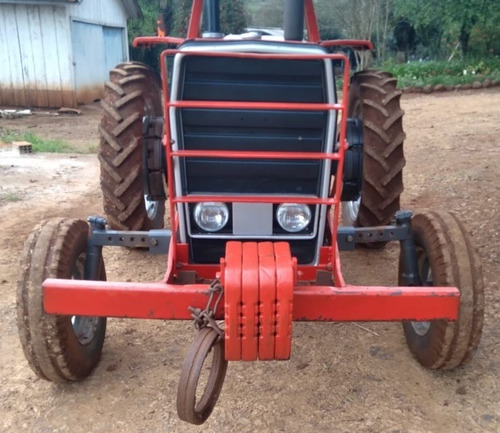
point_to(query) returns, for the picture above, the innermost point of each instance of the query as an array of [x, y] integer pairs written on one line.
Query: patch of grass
[[10, 197], [39, 144], [89, 148], [420, 73]]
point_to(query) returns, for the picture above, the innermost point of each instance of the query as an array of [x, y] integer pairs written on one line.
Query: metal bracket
[[409, 272], [348, 237], [157, 241], [94, 251], [401, 231]]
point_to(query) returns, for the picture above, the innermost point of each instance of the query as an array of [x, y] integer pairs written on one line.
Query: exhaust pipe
[[211, 19], [294, 20]]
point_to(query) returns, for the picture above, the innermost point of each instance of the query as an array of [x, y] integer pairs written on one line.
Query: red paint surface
[[314, 303]]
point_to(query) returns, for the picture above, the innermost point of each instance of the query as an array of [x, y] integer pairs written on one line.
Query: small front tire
[[57, 348], [446, 257]]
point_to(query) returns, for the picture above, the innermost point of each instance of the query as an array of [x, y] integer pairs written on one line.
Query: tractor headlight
[[293, 217], [211, 216]]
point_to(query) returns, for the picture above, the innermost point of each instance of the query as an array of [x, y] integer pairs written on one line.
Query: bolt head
[[403, 216]]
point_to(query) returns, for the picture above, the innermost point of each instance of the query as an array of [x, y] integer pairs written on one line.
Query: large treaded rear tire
[[446, 257], [374, 98], [58, 348], [132, 93]]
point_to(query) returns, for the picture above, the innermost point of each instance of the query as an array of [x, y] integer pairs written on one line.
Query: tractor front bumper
[[310, 303], [258, 295]]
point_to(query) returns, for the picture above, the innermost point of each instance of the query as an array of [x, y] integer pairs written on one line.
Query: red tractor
[[254, 149]]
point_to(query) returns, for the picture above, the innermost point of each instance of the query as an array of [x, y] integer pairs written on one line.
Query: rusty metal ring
[[188, 409]]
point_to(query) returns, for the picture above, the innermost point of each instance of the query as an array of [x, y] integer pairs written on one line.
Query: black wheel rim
[[84, 327], [425, 271]]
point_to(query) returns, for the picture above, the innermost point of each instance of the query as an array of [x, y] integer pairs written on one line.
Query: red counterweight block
[[258, 292]]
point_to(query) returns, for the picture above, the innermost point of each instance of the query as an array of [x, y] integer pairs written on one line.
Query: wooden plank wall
[[11, 77], [107, 13], [37, 54], [38, 63], [90, 21]]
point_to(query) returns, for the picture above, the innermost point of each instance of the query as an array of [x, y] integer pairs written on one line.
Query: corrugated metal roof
[[37, 2], [131, 6]]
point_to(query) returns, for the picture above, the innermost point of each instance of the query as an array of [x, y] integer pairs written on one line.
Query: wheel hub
[[151, 206], [154, 165], [85, 328], [422, 328], [353, 164], [350, 211]]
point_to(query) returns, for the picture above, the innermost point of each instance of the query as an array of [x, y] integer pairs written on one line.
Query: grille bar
[[242, 154]]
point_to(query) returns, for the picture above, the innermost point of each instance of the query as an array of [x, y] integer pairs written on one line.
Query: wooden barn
[[58, 52]]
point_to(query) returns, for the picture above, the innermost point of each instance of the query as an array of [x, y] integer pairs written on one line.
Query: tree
[[232, 16], [181, 14], [404, 36], [176, 14], [458, 17], [328, 23], [265, 13], [358, 19], [145, 26]]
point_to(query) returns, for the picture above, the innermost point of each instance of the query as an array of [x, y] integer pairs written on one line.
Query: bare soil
[[341, 377]]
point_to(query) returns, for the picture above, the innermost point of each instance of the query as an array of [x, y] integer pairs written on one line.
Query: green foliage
[[181, 12], [443, 28], [232, 16], [329, 24], [265, 13], [176, 14], [448, 20], [145, 26], [9, 197], [442, 72], [39, 144]]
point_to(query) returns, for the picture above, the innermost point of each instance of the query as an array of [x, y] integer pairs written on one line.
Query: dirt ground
[[341, 377]]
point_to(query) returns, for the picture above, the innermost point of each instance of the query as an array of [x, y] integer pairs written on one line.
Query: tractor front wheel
[[446, 257], [132, 93], [58, 348], [375, 100]]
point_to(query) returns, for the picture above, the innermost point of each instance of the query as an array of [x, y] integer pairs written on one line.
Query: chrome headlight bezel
[[202, 219], [301, 213]]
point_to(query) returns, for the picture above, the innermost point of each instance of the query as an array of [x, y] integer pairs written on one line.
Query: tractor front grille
[[213, 78], [256, 80]]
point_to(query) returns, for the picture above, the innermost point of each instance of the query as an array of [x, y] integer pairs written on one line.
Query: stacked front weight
[[258, 280]]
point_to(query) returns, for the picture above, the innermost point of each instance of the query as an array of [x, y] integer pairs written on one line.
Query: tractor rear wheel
[[446, 257], [132, 93], [374, 98], [58, 348]]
